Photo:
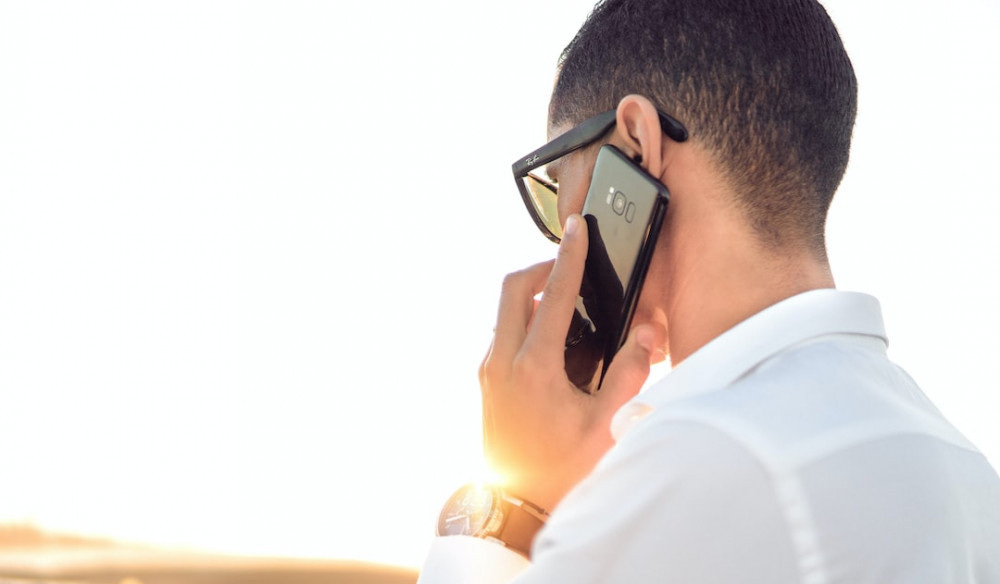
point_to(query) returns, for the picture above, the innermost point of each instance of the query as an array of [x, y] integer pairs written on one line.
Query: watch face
[[470, 511]]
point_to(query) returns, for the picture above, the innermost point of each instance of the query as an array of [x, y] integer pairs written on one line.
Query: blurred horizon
[[30, 554]]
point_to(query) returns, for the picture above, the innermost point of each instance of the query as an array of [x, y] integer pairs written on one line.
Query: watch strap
[[522, 522]]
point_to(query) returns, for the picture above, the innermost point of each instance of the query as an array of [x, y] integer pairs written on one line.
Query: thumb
[[630, 367]]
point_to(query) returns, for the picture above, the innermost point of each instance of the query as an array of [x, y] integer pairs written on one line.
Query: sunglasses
[[539, 192]]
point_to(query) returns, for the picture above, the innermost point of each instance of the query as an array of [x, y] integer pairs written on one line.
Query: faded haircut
[[764, 85]]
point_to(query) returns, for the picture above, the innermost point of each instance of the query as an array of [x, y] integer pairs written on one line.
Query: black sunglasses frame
[[582, 135]]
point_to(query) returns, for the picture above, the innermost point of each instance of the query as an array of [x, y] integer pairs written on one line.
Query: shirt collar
[[729, 356]]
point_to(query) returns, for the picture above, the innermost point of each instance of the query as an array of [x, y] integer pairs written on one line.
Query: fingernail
[[572, 225], [646, 338]]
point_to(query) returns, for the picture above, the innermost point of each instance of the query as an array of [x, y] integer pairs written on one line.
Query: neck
[[710, 270], [714, 272], [717, 292]]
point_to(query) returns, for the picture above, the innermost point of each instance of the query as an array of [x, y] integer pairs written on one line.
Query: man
[[784, 446]]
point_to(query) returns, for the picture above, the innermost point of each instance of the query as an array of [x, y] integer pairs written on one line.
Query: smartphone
[[624, 210]]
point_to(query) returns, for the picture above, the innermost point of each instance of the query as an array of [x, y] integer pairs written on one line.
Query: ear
[[639, 128]]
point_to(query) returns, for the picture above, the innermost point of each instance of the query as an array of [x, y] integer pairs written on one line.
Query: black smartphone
[[624, 210]]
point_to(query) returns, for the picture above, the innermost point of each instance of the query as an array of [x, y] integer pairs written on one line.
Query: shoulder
[[826, 442], [825, 395]]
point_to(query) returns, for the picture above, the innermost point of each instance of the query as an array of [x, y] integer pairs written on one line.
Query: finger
[[547, 337], [517, 304], [630, 366]]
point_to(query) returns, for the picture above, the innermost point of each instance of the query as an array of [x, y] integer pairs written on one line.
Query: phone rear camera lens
[[618, 205]]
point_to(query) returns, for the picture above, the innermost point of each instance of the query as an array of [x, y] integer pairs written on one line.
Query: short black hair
[[766, 86]]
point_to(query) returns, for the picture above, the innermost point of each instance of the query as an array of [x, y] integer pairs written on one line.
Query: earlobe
[[639, 129]]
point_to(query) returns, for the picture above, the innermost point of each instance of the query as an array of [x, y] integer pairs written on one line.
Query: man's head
[[765, 86]]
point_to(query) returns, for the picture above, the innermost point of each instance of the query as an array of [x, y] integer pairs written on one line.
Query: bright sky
[[250, 252]]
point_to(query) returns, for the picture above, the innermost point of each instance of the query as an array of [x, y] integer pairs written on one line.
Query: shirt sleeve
[[677, 502], [458, 559]]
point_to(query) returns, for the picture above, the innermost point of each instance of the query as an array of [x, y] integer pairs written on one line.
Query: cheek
[[572, 194], [574, 180], [564, 204]]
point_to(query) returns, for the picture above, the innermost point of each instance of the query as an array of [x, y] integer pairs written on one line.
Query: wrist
[[544, 490]]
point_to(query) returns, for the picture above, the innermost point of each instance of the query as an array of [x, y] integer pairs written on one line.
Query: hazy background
[[250, 251]]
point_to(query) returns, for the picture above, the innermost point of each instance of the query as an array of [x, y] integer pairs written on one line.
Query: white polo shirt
[[788, 449]]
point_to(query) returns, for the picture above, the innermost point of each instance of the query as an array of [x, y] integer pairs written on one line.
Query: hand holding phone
[[624, 210], [537, 434]]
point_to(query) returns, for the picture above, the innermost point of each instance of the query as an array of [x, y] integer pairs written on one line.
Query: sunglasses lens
[[542, 194]]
